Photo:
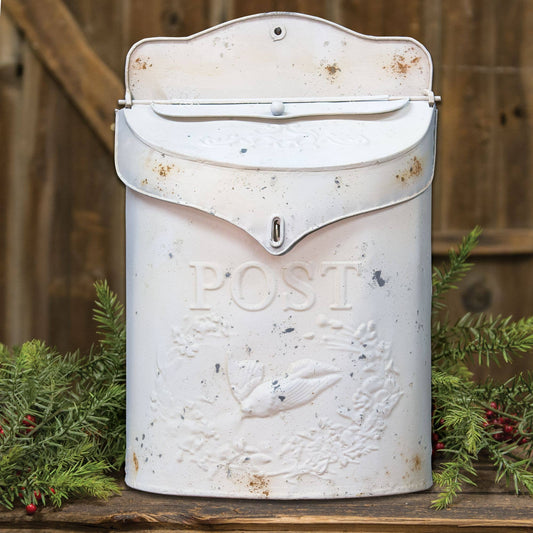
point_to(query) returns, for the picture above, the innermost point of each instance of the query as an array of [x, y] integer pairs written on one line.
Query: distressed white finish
[[278, 261]]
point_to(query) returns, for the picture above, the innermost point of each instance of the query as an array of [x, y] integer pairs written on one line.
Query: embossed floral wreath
[[308, 452]]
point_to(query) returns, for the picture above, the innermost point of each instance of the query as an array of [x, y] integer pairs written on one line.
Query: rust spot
[[401, 64], [259, 484], [163, 170], [417, 463], [142, 64], [415, 169], [332, 69], [135, 462]]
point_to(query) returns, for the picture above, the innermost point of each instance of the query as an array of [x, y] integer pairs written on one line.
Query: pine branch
[[514, 471], [469, 418], [62, 417], [484, 338], [451, 478], [445, 279]]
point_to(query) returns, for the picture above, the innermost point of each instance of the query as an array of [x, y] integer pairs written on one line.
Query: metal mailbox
[[278, 175]]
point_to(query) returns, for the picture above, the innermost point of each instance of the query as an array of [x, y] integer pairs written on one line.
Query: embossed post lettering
[[300, 286], [340, 281], [255, 293], [202, 284], [238, 292]]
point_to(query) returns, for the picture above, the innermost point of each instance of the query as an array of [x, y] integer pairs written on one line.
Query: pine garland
[[62, 417], [62, 420], [472, 418]]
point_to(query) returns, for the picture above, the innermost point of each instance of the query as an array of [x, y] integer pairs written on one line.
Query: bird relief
[[303, 382]]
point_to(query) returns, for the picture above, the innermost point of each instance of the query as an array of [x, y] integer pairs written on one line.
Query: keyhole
[[276, 232]]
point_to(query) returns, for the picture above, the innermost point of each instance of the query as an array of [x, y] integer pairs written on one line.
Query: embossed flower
[[184, 345]]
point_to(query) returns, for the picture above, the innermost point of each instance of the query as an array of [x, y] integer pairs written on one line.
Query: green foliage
[[62, 417], [470, 418], [445, 279]]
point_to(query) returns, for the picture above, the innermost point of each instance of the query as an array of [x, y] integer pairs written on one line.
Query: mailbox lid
[[362, 133]]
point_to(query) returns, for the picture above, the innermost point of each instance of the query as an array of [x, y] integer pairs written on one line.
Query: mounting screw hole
[[277, 33]]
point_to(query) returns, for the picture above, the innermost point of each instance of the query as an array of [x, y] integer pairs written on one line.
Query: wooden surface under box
[[486, 507]]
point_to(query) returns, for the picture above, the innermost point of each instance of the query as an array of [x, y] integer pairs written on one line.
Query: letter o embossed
[[237, 292]]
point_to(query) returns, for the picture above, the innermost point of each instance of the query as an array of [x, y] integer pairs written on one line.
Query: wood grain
[[90, 83], [512, 241], [10, 87], [484, 508], [19, 206]]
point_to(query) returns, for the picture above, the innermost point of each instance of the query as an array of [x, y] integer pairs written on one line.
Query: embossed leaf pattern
[[284, 136], [186, 341]]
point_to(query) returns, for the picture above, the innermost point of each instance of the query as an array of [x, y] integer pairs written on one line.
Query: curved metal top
[[276, 55]]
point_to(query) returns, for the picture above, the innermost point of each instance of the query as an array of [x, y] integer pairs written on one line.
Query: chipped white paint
[[278, 173]]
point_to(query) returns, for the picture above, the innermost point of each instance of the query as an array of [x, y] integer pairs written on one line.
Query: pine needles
[[62, 419], [471, 418]]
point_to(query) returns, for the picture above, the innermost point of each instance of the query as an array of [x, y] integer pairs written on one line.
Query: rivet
[[277, 108]]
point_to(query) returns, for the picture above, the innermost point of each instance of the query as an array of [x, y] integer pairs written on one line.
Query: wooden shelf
[[483, 508]]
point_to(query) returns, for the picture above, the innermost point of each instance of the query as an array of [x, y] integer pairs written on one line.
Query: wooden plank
[[220, 11], [512, 241], [20, 206], [513, 139], [86, 225], [134, 510], [10, 88], [89, 82], [64, 215], [385, 17], [165, 18], [464, 145], [103, 25]]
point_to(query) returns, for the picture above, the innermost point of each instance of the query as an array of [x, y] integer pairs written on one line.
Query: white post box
[[278, 175]]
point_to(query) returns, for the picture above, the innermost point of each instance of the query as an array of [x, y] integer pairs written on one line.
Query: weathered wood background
[[61, 206]]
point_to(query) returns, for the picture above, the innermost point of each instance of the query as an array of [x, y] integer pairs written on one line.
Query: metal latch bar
[[429, 97]]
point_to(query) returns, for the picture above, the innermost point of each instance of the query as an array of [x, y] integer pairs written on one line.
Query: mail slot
[[278, 175]]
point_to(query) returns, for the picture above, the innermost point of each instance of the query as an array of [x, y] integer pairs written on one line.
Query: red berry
[[31, 508], [508, 428], [486, 423], [29, 420], [52, 490], [488, 412], [523, 440], [494, 405], [37, 495], [435, 437], [439, 446]]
